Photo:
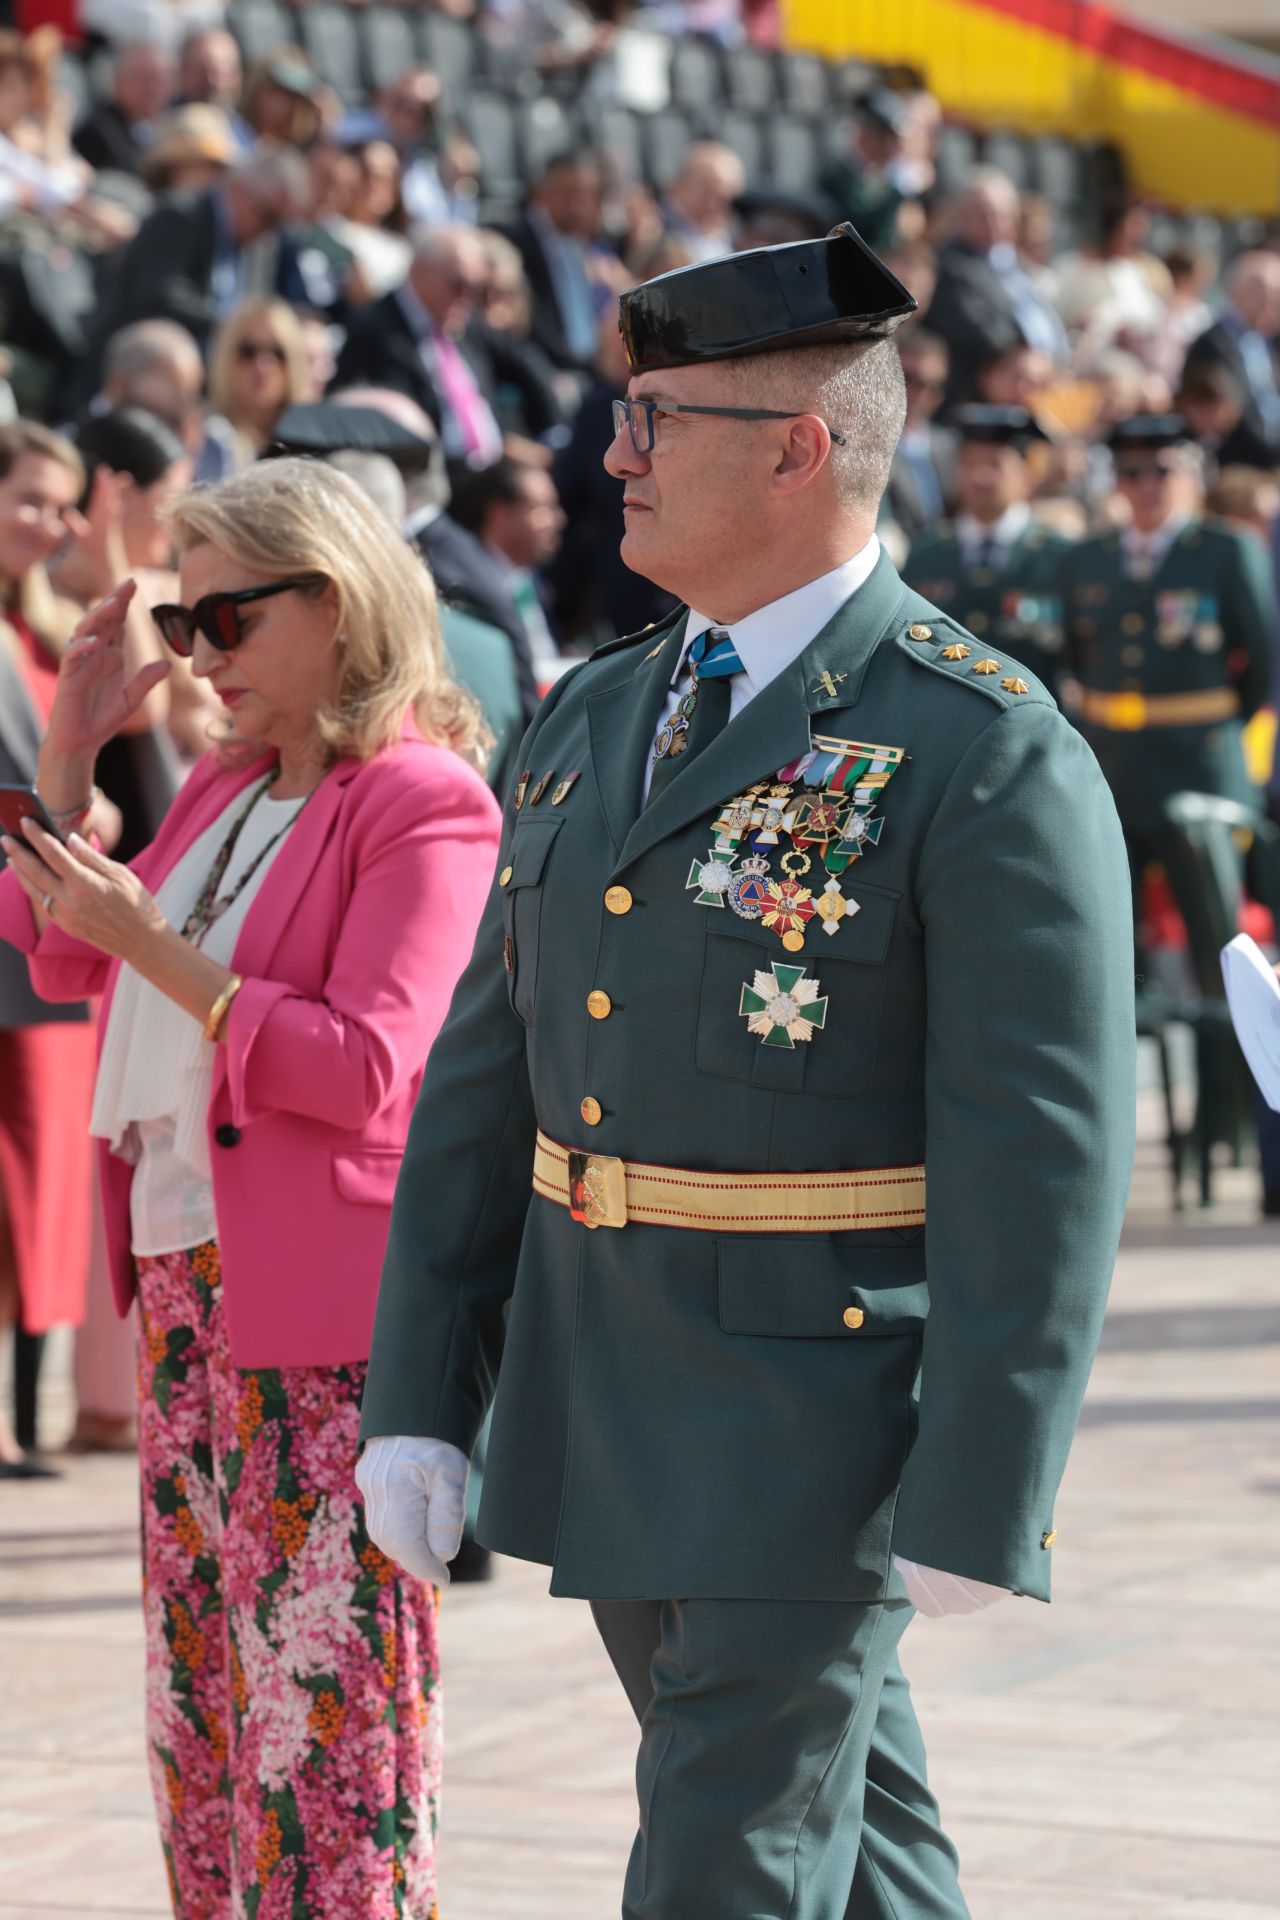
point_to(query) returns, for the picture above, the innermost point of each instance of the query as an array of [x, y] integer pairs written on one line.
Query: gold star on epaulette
[[956, 651], [986, 666], [1014, 685]]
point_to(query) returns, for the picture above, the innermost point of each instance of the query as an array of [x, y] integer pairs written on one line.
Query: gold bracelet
[[217, 1011]]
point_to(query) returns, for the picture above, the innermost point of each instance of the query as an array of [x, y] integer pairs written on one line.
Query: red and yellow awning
[[1199, 124]]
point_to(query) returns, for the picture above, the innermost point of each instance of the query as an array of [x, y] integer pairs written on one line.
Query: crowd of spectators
[[219, 254]]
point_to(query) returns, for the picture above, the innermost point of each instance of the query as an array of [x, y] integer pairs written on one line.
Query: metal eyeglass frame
[[626, 411]]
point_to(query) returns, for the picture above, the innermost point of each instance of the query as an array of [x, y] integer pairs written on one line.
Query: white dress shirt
[[997, 538], [1144, 553], [768, 640]]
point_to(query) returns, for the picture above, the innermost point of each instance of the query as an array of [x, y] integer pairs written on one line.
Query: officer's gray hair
[[857, 389], [375, 475]]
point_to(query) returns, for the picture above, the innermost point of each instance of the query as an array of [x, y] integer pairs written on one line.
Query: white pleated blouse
[[155, 1074]]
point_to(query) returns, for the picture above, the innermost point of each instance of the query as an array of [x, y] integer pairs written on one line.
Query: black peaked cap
[[808, 293], [327, 426], [997, 426], [1144, 432]]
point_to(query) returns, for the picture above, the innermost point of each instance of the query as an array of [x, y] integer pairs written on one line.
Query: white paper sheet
[[1253, 995]]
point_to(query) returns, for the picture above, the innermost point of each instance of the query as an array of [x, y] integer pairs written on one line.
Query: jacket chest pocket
[[838, 1058], [522, 909]]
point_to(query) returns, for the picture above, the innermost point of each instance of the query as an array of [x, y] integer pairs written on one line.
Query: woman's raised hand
[[94, 699]]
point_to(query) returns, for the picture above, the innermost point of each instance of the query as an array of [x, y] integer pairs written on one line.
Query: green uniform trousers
[[781, 1773]]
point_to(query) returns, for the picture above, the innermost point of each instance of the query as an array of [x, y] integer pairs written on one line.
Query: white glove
[[934, 1593], [415, 1501]]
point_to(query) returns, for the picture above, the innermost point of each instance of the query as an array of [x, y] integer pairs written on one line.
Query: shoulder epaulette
[[948, 649]]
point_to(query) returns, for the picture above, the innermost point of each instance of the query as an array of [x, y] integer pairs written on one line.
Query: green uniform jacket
[[1205, 619], [1016, 607], [686, 1414]]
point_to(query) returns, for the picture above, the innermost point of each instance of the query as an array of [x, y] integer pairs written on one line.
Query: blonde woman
[[257, 368], [274, 968]]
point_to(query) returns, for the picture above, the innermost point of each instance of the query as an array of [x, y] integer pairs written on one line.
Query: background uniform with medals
[[993, 568]]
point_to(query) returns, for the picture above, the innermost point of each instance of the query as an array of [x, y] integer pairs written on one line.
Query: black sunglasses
[[217, 616], [638, 417]]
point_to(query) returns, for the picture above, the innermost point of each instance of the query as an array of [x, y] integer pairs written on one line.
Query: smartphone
[[24, 803]]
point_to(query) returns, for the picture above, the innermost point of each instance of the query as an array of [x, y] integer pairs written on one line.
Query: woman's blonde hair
[[287, 517], [280, 317]]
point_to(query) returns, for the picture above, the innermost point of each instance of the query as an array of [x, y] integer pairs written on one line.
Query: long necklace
[[209, 907]]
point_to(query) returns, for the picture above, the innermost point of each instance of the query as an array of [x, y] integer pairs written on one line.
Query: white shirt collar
[[768, 640], [1155, 545], [1011, 526]]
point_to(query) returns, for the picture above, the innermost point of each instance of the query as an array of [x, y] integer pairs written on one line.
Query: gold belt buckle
[[1127, 712], [597, 1189]]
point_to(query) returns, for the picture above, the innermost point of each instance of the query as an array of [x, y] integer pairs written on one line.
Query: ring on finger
[[48, 904]]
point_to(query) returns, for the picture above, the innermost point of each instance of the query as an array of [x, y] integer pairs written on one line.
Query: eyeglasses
[[639, 417], [217, 616], [260, 350], [1147, 470]]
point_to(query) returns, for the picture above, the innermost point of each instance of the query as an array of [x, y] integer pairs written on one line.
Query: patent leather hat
[[809, 293], [996, 426]]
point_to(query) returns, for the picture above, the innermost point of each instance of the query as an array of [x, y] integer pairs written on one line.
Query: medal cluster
[[822, 810]]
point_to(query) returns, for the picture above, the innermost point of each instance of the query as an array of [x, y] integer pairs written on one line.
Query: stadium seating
[[786, 114]]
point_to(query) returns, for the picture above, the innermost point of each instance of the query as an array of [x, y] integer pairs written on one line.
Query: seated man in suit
[[923, 473], [115, 134], [421, 341], [1243, 340], [189, 259], [556, 235], [985, 300]]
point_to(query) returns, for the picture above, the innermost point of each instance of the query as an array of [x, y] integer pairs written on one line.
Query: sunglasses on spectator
[[217, 616], [260, 350], [639, 417], [1156, 469]]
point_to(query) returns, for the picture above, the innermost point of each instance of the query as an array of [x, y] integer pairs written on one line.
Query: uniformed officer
[[992, 568], [1170, 626], [807, 901]]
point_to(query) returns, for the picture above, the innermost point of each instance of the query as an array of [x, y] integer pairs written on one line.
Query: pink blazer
[[350, 953]]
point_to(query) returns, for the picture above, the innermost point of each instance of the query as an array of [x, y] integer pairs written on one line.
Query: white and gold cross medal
[[713, 877]]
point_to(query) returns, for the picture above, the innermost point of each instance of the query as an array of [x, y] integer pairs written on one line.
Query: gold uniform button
[[591, 1111], [853, 1318], [618, 900], [1132, 623], [504, 878], [1049, 1538], [599, 1005], [920, 632]]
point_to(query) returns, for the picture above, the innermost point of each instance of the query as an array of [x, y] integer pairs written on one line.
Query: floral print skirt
[[293, 1699]]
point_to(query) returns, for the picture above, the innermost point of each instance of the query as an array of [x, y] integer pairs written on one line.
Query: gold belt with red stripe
[[602, 1191]]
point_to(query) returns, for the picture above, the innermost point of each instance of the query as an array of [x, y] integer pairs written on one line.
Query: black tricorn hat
[[997, 426], [1148, 432], [809, 293], [329, 426]]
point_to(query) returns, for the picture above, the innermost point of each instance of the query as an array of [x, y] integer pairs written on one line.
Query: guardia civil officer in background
[[1170, 626], [681, 1121], [993, 568]]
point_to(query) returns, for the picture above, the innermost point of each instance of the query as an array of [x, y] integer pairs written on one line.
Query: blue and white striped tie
[[712, 661]]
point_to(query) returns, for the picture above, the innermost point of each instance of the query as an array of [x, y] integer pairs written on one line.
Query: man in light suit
[[922, 479], [743, 851]]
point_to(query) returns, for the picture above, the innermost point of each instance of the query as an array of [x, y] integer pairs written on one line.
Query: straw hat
[[193, 133]]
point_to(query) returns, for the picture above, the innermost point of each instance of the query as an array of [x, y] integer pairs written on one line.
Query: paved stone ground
[[1114, 1757]]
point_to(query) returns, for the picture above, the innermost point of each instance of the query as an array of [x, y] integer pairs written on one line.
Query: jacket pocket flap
[[794, 1287], [530, 845], [368, 1174]]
